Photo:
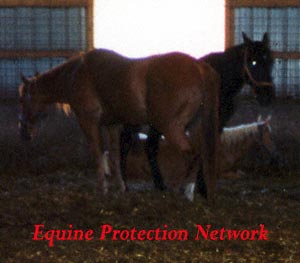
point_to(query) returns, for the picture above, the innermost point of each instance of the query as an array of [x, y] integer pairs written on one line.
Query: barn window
[[38, 35]]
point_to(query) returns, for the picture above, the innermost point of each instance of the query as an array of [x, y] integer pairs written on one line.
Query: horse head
[[267, 143], [32, 107], [257, 68]]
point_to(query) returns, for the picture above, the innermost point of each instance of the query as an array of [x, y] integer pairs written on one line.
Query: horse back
[[174, 89]]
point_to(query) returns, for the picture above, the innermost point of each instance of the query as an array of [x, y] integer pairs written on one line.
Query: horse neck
[[237, 141], [48, 89], [56, 84], [229, 65]]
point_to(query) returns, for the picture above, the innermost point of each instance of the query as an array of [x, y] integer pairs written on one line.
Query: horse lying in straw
[[105, 89], [236, 142]]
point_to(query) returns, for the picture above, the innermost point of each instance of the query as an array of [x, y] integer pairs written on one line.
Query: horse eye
[[253, 63]]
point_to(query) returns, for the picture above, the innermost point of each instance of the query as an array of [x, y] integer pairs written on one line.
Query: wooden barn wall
[[38, 35], [281, 19]]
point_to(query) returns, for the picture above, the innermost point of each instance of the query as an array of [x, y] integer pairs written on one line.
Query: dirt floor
[[51, 181]]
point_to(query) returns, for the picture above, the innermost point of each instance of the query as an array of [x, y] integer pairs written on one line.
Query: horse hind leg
[[91, 132], [105, 150], [201, 184], [114, 150], [151, 148], [125, 146], [128, 139]]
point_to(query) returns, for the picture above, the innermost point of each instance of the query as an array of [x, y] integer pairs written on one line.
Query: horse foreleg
[[152, 146], [104, 138], [179, 139], [89, 126], [125, 146], [114, 152], [201, 184]]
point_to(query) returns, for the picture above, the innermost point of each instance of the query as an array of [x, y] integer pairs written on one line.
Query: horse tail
[[210, 86], [66, 108]]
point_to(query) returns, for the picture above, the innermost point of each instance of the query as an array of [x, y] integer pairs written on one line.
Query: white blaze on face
[[139, 28]]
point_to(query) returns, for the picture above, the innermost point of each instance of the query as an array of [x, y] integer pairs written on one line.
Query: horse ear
[[269, 118], [266, 40], [247, 40]]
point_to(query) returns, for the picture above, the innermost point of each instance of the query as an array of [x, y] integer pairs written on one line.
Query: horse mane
[[63, 67], [236, 135], [58, 76], [228, 65], [65, 107], [22, 86], [228, 52], [21, 90]]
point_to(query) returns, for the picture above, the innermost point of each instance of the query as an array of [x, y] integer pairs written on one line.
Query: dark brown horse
[[105, 89]]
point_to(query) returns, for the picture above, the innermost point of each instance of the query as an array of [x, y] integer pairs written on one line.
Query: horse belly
[[124, 109]]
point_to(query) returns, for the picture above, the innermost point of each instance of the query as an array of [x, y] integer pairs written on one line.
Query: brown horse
[[105, 89]]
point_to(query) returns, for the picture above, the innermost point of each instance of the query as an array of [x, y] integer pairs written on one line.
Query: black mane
[[229, 65]]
